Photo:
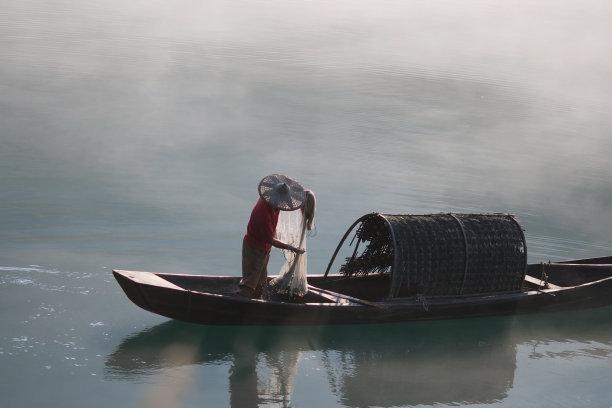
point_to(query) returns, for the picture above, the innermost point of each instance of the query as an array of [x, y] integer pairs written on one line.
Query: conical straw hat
[[281, 192]]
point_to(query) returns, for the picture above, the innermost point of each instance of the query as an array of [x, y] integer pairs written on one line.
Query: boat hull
[[155, 294]]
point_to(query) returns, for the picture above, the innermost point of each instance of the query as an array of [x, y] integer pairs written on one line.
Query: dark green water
[[133, 135]]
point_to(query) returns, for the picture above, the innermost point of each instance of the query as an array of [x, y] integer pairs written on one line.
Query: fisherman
[[276, 193]]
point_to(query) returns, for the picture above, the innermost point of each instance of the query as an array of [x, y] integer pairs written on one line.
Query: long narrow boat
[[337, 299]]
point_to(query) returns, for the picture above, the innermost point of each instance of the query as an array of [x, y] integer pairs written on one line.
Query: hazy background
[[133, 135]]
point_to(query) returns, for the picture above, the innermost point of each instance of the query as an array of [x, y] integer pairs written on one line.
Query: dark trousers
[[254, 270]]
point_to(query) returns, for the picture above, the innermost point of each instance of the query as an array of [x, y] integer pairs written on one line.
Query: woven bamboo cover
[[442, 254]]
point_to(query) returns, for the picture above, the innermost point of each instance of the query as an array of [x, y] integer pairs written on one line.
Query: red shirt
[[262, 226]]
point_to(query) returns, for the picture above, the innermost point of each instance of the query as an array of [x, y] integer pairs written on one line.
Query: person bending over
[[276, 193]]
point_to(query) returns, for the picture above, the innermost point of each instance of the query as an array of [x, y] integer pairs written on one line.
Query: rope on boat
[[465, 242], [544, 280], [421, 298], [544, 275], [188, 302]]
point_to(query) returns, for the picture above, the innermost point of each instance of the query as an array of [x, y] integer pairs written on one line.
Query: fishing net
[[291, 229]]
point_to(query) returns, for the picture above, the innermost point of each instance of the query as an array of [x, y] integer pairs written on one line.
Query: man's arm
[[278, 244]]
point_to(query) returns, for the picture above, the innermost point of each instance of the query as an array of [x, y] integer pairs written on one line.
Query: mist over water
[[133, 135]]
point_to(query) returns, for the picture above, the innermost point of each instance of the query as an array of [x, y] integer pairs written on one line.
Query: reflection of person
[[277, 192], [243, 380], [276, 389]]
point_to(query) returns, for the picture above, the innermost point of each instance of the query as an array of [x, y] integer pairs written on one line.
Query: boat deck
[[374, 288]]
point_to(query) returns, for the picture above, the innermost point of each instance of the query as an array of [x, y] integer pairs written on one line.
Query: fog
[[133, 136], [160, 118]]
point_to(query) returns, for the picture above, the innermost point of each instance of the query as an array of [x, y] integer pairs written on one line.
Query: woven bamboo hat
[[281, 192]]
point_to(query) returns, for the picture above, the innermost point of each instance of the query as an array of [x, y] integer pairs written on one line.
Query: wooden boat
[[337, 299]]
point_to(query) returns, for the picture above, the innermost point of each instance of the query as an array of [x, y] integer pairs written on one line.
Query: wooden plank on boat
[[602, 266], [337, 300], [337, 297], [590, 261], [541, 283], [148, 278]]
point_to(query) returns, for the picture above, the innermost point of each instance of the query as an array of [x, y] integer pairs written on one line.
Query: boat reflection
[[460, 361]]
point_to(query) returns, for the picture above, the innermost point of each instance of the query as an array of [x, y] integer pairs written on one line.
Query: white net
[[291, 229]]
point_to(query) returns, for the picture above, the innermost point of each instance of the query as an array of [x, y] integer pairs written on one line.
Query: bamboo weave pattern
[[441, 254]]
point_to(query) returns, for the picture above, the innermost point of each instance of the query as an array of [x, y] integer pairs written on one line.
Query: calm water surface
[[133, 135]]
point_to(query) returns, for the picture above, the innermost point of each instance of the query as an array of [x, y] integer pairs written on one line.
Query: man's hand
[[278, 244]]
